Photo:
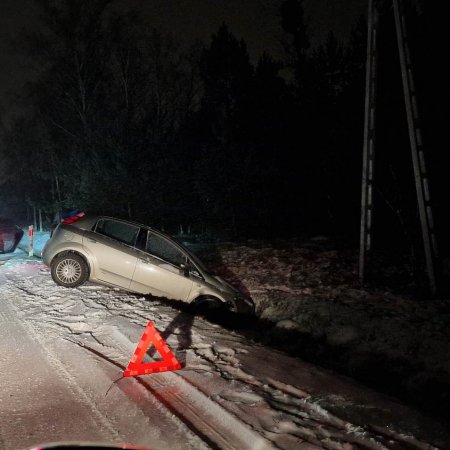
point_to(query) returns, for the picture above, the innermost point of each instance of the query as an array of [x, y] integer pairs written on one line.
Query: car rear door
[[159, 269], [111, 245]]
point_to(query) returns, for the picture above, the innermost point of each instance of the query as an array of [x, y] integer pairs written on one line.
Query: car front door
[[160, 269], [111, 245]]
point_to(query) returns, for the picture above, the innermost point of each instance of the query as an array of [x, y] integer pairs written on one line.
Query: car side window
[[160, 247], [120, 231]]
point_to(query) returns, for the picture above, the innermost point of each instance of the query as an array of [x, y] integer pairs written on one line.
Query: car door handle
[[144, 260], [91, 240]]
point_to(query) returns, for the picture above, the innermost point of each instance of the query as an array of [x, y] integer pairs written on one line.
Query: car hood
[[224, 285]]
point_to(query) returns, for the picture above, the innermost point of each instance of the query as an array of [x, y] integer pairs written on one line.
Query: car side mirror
[[186, 269]]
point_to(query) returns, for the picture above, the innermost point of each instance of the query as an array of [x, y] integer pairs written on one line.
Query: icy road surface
[[63, 352]]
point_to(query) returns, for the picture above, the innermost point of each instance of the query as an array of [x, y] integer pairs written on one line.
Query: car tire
[[208, 305], [69, 270]]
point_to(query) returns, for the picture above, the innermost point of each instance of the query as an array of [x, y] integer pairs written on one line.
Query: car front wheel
[[208, 305], [69, 270]]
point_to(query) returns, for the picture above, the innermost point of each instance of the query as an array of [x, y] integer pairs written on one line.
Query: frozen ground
[[395, 342], [309, 302], [63, 353]]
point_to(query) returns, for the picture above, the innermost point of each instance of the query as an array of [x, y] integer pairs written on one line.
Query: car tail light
[[74, 218]]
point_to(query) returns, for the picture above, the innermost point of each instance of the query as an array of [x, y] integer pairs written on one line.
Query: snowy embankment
[[309, 302], [70, 347], [39, 239]]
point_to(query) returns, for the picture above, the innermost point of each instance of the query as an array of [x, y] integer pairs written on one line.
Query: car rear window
[[120, 231]]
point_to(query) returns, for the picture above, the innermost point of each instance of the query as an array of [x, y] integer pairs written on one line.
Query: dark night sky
[[256, 21]]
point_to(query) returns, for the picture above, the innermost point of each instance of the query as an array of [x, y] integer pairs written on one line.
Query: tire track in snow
[[319, 428], [217, 427], [103, 424], [213, 423]]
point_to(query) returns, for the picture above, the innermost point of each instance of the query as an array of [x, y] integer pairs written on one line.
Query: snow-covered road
[[63, 352]]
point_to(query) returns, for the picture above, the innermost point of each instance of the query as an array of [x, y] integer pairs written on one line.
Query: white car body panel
[[114, 262], [126, 261], [156, 277]]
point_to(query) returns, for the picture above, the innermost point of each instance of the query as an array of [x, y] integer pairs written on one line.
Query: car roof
[[88, 220]]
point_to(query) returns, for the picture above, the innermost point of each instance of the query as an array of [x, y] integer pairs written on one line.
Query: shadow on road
[[181, 326]]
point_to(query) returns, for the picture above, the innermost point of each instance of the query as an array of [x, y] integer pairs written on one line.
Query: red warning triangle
[[151, 336]]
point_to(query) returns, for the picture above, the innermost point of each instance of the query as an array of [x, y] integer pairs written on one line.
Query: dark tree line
[[122, 120]]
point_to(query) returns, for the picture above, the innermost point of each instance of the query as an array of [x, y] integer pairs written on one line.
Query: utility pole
[[369, 141], [416, 144], [417, 153]]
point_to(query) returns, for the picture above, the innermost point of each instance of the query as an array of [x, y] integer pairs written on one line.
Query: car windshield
[[195, 259], [165, 249]]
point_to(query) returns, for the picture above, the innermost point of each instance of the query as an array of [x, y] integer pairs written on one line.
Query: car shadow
[[181, 327]]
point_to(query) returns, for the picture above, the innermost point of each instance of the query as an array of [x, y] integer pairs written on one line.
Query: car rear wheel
[[69, 270]]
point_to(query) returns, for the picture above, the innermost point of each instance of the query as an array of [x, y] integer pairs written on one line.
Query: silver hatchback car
[[136, 258]]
